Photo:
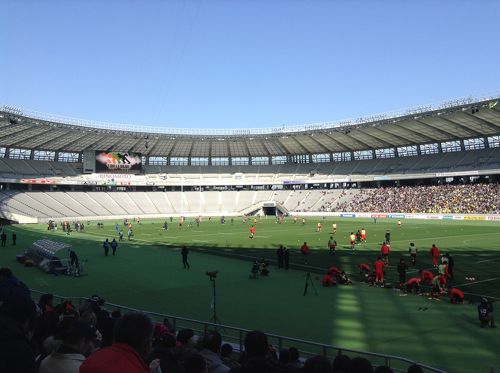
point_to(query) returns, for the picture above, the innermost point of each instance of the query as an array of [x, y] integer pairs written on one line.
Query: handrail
[[323, 348]]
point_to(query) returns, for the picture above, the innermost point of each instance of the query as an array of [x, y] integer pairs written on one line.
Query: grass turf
[[147, 273]]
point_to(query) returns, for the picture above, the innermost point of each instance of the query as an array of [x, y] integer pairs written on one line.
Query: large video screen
[[121, 161]]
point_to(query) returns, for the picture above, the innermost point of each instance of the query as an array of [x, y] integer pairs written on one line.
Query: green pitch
[[147, 273]]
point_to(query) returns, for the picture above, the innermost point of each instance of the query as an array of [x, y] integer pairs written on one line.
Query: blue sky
[[244, 64]]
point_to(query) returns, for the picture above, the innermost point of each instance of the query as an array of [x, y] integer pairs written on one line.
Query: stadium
[[428, 175]]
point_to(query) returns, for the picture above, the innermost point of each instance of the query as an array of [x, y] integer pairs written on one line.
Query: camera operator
[[486, 315]]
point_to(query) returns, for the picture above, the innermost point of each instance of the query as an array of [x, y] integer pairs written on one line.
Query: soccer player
[[426, 275], [363, 235], [385, 250], [328, 280], [413, 284], [435, 253], [318, 227], [399, 223], [304, 249], [295, 218], [413, 253], [332, 244], [352, 240], [388, 236], [334, 228], [364, 271], [303, 221], [456, 296], [379, 271], [252, 232]]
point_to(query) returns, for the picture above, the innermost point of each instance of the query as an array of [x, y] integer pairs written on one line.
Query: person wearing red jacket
[[435, 253], [132, 344], [379, 271]]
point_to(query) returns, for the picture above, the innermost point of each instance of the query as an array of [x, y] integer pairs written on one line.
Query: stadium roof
[[454, 120]]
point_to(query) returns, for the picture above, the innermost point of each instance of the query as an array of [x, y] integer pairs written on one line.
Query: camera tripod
[[214, 319], [309, 281]]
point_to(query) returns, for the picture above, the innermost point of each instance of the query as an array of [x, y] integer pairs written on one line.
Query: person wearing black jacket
[[256, 357], [17, 316], [280, 254]]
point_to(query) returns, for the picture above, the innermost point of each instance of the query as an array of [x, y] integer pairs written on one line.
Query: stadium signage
[[397, 216], [347, 215], [474, 217], [378, 216], [124, 161], [493, 217], [447, 217], [290, 182]]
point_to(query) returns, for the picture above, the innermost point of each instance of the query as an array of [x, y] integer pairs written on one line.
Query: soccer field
[[147, 273]]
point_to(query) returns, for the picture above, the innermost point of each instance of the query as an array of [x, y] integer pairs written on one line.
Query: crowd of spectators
[[65, 338], [440, 199]]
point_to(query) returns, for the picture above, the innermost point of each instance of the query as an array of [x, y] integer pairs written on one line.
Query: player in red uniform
[[304, 249], [426, 275], [385, 250], [413, 284], [456, 296], [364, 271], [435, 253], [379, 271], [328, 280], [363, 235], [252, 232]]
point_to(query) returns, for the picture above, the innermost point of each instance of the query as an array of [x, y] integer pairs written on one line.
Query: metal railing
[[236, 337]]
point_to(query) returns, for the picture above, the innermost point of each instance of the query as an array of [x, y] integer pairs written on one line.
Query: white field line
[[477, 282]]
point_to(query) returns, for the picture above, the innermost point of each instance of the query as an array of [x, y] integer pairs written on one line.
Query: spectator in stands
[[226, 352], [361, 365], [17, 315], [132, 344], [341, 364], [10, 285], [195, 363], [255, 358], [295, 363], [317, 364], [212, 342], [414, 369], [185, 344], [383, 369], [77, 343], [164, 349]]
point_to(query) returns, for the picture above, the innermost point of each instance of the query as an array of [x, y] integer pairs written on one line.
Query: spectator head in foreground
[[195, 363], [317, 364], [136, 330], [256, 344]]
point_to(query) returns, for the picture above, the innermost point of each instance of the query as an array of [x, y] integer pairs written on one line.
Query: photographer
[[486, 316]]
